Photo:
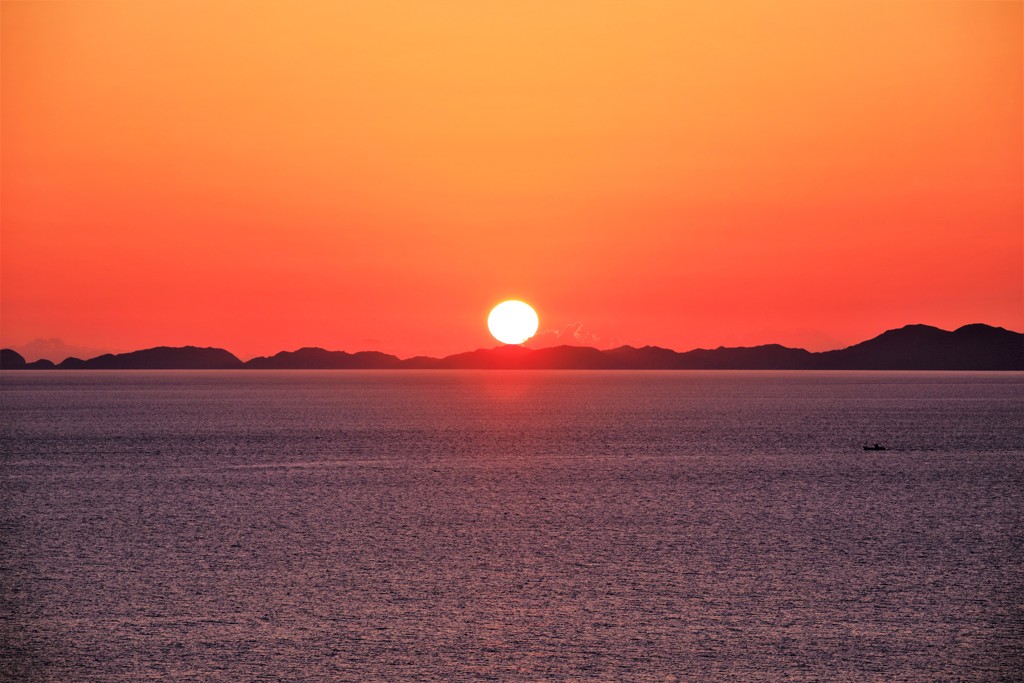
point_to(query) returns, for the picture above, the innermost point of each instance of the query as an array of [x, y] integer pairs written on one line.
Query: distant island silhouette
[[913, 347]]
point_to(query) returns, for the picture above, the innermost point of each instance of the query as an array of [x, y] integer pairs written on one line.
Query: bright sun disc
[[512, 322]]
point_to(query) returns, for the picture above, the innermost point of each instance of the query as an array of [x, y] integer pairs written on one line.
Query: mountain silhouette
[[11, 360], [914, 347], [766, 357], [922, 347], [159, 358], [313, 358], [512, 357]]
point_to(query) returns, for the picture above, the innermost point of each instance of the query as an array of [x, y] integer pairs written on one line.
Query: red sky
[[264, 176]]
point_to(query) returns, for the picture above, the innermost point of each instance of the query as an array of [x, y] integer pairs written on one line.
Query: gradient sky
[[264, 176]]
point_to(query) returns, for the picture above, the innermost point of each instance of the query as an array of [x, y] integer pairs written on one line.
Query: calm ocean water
[[357, 526]]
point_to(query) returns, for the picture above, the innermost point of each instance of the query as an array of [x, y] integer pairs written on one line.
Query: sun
[[512, 322]]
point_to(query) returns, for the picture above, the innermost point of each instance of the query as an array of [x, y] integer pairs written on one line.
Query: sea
[[511, 526]]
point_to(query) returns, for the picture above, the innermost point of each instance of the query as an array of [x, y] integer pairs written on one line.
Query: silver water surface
[[511, 526]]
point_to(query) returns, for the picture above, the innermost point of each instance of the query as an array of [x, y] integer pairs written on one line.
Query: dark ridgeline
[[766, 357], [914, 347], [11, 360], [312, 358], [159, 358], [512, 357], [922, 347]]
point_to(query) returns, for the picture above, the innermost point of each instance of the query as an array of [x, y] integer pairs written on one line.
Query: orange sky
[[263, 176]]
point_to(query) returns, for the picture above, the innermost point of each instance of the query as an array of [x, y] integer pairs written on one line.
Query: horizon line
[[501, 346]]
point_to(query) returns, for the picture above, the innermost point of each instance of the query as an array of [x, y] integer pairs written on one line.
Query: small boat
[[876, 447]]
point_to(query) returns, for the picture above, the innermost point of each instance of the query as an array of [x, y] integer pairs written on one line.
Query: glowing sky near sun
[[264, 176]]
